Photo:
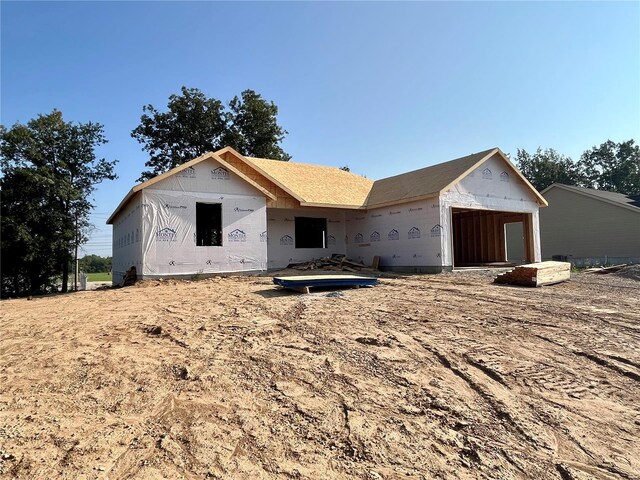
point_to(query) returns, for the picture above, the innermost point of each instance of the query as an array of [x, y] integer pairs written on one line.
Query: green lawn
[[99, 277]]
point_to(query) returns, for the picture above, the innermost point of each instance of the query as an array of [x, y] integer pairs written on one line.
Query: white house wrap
[[224, 212]]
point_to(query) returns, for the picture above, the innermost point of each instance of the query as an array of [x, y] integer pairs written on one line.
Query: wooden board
[[537, 274]]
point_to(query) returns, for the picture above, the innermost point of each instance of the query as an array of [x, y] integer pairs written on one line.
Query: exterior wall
[[587, 228], [492, 186], [281, 235], [127, 240], [407, 237], [169, 219]]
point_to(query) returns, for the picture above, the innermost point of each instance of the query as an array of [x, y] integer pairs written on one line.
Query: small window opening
[[208, 224], [311, 232]]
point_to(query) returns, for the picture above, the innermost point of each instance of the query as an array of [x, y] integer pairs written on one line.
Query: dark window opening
[[311, 232], [208, 225]]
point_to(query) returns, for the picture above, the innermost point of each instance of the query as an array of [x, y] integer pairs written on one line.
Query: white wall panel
[[127, 240], [206, 177], [169, 220], [406, 235], [281, 237], [169, 240]]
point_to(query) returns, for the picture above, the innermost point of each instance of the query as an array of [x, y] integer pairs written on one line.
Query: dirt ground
[[426, 376]]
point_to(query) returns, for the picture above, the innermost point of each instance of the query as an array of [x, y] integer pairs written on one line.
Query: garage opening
[[490, 238]]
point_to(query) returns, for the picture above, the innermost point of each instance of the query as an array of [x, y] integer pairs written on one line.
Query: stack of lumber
[[537, 274], [333, 263]]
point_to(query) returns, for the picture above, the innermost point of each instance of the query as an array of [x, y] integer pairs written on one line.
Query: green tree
[[613, 166], [55, 164], [194, 124], [34, 233], [545, 167], [252, 127], [95, 264]]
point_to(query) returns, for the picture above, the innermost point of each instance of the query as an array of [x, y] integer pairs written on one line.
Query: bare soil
[[429, 376]]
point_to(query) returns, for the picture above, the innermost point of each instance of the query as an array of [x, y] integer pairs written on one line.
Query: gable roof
[[315, 185], [179, 168], [631, 202], [321, 186], [425, 182], [430, 181]]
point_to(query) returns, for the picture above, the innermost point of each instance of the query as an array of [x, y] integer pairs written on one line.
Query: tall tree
[[54, 162], [192, 126], [614, 166], [195, 124], [545, 167], [35, 235], [252, 127]]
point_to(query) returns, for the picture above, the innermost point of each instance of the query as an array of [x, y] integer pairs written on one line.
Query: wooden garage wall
[[283, 199], [478, 235]]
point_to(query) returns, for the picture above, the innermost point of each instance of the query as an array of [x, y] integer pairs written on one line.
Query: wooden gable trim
[[282, 198], [242, 158]]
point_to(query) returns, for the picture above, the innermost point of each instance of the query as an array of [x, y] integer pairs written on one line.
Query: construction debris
[[611, 269], [130, 277], [537, 274], [335, 263]]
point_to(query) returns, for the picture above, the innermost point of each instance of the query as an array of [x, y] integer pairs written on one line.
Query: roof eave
[[332, 205], [402, 200], [179, 168], [590, 195]]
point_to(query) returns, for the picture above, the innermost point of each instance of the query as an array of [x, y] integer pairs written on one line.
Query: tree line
[[95, 264], [611, 166], [50, 170]]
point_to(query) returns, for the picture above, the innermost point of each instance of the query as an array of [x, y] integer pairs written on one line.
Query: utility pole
[[75, 257]]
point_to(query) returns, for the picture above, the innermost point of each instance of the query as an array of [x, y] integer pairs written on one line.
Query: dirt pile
[[631, 272], [445, 376]]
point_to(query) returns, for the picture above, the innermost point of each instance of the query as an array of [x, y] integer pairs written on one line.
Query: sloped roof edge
[[511, 166], [179, 168], [586, 193], [251, 164]]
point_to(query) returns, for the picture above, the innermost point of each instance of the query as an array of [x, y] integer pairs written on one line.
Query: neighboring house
[[224, 212], [590, 226]]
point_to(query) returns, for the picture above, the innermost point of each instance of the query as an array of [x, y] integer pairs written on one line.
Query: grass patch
[[99, 277]]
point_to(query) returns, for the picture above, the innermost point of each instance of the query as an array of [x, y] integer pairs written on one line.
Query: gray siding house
[[591, 226]]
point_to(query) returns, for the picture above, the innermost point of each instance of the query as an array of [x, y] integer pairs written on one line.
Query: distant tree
[[543, 168], [345, 168], [95, 264], [613, 166], [50, 170], [194, 125]]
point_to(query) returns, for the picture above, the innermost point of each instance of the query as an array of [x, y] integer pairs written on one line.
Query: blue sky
[[382, 87]]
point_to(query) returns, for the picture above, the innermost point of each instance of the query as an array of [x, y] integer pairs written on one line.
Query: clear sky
[[382, 87]]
